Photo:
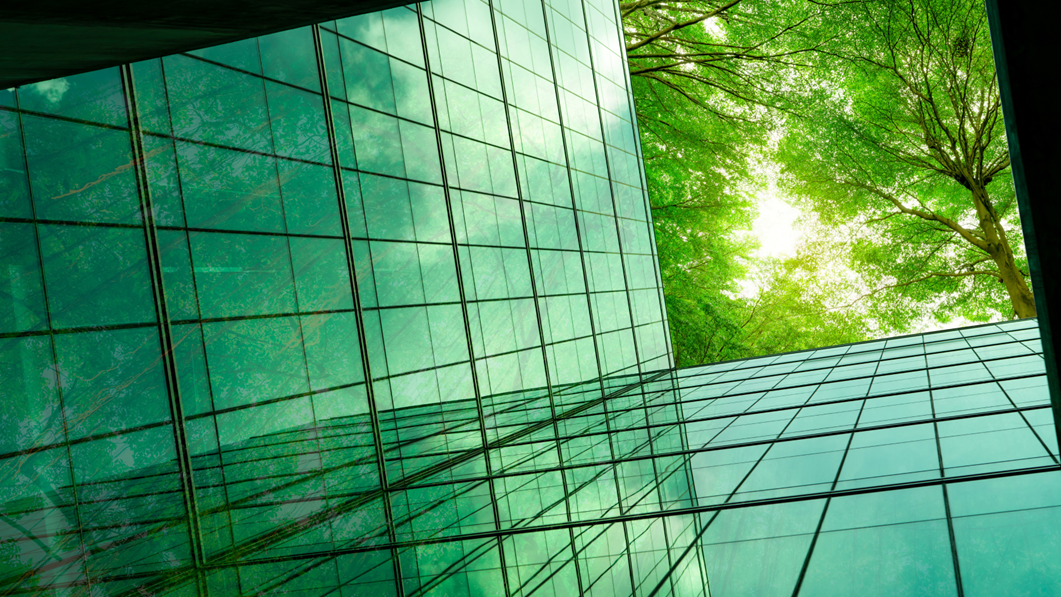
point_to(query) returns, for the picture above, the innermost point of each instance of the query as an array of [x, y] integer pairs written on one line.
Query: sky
[[775, 228]]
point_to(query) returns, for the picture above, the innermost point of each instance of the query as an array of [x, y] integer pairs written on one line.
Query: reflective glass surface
[[373, 308]]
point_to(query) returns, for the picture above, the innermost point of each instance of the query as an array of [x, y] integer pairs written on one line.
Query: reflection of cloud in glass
[[53, 90]]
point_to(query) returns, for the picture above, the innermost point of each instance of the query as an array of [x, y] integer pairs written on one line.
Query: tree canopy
[[882, 118]]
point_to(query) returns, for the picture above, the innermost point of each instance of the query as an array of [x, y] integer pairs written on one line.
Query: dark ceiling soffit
[[50, 39], [1027, 56]]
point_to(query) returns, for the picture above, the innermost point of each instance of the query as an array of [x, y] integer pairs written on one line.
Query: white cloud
[[52, 91]]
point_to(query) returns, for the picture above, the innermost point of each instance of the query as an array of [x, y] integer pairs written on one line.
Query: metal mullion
[[359, 315], [53, 351], [825, 509], [77, 330], [1026, 422], [33, 220], [282, 534], [633, 335], [530, 263], [169, 362], [298, 314], [693, 452], [460, 288], [611, 188], [590, 309], [644, 188], [652, 515], [946, 498]]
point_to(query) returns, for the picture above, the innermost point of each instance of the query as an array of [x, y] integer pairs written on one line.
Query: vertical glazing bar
[[362, 342], [463, 298], [534, 285], [51, 344], [946, 501], [825, 510], [611, 188], [169, 362], [644, 186]]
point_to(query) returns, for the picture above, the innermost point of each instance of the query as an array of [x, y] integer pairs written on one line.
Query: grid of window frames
[[917, 464], [271, 299]]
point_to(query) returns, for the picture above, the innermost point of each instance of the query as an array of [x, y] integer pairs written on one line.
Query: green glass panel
[[889, 456], [396, 268], [111, 380], [455, 568], [365, 28], [298, 124], [408, 339], [163, 180], [94, 96], [332, 350], [190, 355], [344, 136], [80, 172], [289, 56], [377, 142], [403, 35], [759, 551], [177, 275], [1006, 534], [387, 208], [439, 273], [14, 186], [322, 278], [310, 203], [429, 213], [217, 105], [367, 574], [254, 360], [368, 76], [229, 190], [448, 338], [96, 276], [21, 293], [355, 210], [151, 96], [376, 354], [242, 54], [890, 543], [32, 416], [242, 274], [420, 148], [986, 444], [366, 280], [411, 98], [333, 64]]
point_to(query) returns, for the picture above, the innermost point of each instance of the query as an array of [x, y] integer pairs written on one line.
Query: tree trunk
[[1019, 293], [1020, 296]]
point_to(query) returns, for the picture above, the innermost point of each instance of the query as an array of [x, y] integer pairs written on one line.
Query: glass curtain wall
[[372, 308], [253, 297]]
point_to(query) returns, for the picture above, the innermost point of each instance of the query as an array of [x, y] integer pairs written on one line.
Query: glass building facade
[[373, 308]]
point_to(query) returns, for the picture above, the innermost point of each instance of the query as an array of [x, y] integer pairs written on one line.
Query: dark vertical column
[[1024, 39], [534, 291], [463, 298], [344, 219], [169, 363], [644, 185], [560, 108]]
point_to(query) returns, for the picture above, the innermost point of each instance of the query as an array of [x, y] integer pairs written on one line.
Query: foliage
[[885, 118], [706, 101], [900, 142]]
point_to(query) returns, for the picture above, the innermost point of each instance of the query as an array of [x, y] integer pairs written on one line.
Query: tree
[[900, 141], [701, 74]]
